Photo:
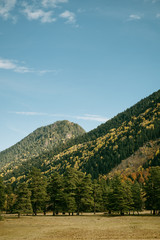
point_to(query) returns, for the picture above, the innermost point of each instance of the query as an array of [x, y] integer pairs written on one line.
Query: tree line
[[76, 192]]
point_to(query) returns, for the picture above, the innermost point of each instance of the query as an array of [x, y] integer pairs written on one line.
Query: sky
[[79, 60]]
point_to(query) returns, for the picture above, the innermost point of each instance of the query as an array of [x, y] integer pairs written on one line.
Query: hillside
[[143, 157], [41, 140], [103, 148]]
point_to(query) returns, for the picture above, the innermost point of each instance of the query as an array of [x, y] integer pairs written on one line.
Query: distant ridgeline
[[41, 140], [100, 150]]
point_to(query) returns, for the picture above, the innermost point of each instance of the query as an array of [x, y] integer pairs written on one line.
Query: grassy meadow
[[88, 227]]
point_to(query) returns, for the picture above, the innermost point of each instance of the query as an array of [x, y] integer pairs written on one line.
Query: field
[[88, 227]]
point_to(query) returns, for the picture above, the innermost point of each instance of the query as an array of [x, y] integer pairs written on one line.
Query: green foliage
[[56, 192], [76, 192], [37, 186], [102, 149], [42, 140], [152, 189], [85, 194], [2, 195], [136, 196], [70, 179], [119, 196], [23, 201], [10, 198]]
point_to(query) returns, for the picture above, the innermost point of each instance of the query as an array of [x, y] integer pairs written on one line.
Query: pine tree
[[79, 190], [97, 196], [136, 196], [37, 185], [70, 179], [2, 195], [152, 189], [10, 198], [119, 196], [23, 201], [56, 192], [104, 186], [86, 194]]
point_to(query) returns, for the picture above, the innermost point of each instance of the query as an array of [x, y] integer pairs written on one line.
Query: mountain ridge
[[102, 149], [41, 140]]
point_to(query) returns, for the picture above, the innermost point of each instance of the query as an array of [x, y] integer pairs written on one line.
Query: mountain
[[104, 148], [41, 140]]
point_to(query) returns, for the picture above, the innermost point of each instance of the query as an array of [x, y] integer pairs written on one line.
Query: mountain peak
[[41, 140]]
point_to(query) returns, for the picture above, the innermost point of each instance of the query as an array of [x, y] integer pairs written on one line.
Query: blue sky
[[80, 60]]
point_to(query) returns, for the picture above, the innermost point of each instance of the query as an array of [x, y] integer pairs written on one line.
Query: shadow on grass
[[102, 215]]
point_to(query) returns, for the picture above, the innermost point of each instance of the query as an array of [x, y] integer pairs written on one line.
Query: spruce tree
[[10, 198], [70, 179], [56, 192], [2, 195], [87, 201], [79, 190], [119, 196], [105, 188], [23, 201], [136, 196], [152, 189], [97, 196], [38, 185]]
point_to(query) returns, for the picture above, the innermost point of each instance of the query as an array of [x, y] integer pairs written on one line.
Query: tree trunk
[[122, 213], [94, 207]]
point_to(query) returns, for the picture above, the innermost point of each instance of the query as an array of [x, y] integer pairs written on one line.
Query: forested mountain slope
[[41, 140], [104, 148]]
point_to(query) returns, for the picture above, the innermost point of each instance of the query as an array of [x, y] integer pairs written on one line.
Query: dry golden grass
[[80, 227]]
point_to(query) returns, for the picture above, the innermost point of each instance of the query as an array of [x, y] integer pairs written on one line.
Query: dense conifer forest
[[100, 150], [84, 172], [75, 192]]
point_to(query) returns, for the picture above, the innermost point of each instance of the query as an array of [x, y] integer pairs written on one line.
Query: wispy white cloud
[[13, 65], [158, 15], [69, 16], [87, 117], [52, 3], [93, 118], [6, 6], [30, 113], [134, 17], [38, 14]]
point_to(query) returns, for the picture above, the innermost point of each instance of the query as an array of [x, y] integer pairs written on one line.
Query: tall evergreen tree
[[23, 201], [136, 196], [152, 189], [2, 195], [79, 190], [119, 196], [86, 194], [70, 180], [105, 188], [10, 198], [38, 185], [97, 196], [56, 192]]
